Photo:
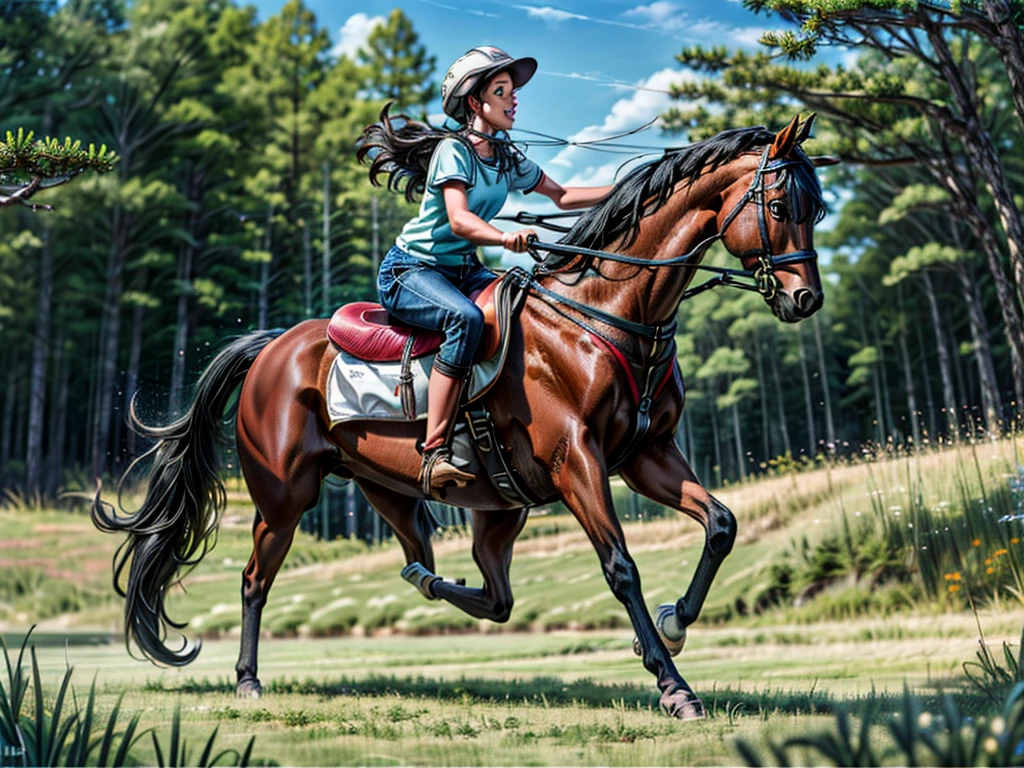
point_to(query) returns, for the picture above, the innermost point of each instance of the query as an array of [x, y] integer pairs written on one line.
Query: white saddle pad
[[357, 389]]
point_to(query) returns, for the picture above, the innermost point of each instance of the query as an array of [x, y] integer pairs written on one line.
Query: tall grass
[[40, 729]]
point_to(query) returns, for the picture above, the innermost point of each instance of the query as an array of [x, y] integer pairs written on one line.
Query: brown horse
[[566, 405]]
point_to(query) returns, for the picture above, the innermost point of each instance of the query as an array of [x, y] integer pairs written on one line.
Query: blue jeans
[[436, 296]]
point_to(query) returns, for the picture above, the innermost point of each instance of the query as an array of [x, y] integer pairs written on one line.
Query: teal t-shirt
[[429, 236]]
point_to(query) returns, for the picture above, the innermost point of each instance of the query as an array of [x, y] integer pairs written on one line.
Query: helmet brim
[[521, 71]]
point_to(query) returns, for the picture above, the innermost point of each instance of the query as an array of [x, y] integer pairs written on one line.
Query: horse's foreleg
[[661, 473], [268, 553], [493, 536], [582, 480]]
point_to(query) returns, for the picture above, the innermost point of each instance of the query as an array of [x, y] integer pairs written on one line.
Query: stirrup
[[439, 460]]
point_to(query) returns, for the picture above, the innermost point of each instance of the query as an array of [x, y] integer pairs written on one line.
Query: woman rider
[[465, 176]]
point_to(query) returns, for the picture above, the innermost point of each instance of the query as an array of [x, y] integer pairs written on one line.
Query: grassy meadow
[[812, 612]]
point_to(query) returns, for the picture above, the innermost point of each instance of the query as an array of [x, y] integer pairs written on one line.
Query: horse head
[[767, 220]]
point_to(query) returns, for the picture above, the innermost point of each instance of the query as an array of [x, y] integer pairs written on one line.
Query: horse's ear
[[784, 140], [805, 129], [822, 160]]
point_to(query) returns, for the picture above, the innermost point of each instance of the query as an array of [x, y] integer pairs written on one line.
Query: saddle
[[382, 368], [365, 330]]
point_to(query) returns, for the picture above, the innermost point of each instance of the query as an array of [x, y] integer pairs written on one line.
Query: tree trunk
[[325, 260], [926, 375], [718, 444], [886, 397], [132, 384], [37, 377], [762, 390], [307, 269], [830, 430], [737, 433], [787, 447], [1010, 47], [264, 298], [181, 330], [978, 144], [10, 398], [958, 372], [111, 328], [908, 383], [948, 398], [812, 439], [1008, 306], [58, 419], [982, 350]]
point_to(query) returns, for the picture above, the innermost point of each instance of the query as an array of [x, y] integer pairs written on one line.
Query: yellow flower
[[1000, 552], [988, 561], [990, 570], [956, 576], [1015, 540], [976, 543], [954, 587]]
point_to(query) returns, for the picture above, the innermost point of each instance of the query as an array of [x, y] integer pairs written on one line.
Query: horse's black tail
[[177, 522]]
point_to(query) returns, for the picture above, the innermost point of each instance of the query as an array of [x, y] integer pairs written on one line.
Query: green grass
[[538, 699]]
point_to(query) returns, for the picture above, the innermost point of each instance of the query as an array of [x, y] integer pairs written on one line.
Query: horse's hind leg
[[661, 473], [493, 536], [283, 483], [268, 553]]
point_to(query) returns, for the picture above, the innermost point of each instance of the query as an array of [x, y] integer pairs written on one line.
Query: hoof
[[683, 705], [249, 689], [671, 634]]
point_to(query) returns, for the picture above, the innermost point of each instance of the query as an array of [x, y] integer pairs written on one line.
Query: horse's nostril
[[804, 300]]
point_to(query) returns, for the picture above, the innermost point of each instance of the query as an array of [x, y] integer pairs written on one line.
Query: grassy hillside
[[55, 568]]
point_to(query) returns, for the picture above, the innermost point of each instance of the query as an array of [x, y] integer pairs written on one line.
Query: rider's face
[[498, 102]]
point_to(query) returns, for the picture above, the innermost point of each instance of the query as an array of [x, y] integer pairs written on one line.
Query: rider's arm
[[569, 198], [469, 226]]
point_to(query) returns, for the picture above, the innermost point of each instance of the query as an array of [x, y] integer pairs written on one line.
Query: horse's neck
[[651, 295]]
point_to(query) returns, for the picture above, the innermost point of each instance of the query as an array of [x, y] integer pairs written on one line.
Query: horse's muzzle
[[802, 304]]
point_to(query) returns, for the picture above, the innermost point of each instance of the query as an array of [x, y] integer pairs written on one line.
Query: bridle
[[763, 275]]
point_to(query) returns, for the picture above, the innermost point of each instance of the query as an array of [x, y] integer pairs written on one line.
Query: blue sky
[[605, 65]]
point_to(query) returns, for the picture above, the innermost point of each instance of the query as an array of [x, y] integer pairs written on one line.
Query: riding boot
[[437, 470]]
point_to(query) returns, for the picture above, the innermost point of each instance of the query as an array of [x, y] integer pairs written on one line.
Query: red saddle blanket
[[362, 329]]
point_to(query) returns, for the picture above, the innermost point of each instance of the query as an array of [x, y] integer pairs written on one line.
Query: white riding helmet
[[475, 66]]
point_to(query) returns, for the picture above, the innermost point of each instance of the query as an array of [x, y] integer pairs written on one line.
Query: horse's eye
[[779, 210]]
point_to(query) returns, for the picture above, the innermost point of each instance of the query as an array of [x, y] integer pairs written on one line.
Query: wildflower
[[924, 720], [991, 745], [954, 588], [976, 543], [956, 576], [990, 570], [1015, 540], [1000, 552]]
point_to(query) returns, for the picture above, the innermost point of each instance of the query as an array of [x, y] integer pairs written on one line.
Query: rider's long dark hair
[[400, 148]]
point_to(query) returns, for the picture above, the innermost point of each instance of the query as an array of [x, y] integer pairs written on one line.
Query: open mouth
[[510, 113]]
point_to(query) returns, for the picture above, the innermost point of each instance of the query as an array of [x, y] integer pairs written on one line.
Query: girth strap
[[508, 482]]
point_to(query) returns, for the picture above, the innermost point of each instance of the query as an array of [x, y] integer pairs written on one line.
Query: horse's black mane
[[645, 189]]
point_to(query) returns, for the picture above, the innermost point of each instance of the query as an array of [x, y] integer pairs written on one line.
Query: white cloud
[[547, 13], [647, 102], [709, 29], [659, 12], [354, 33]]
